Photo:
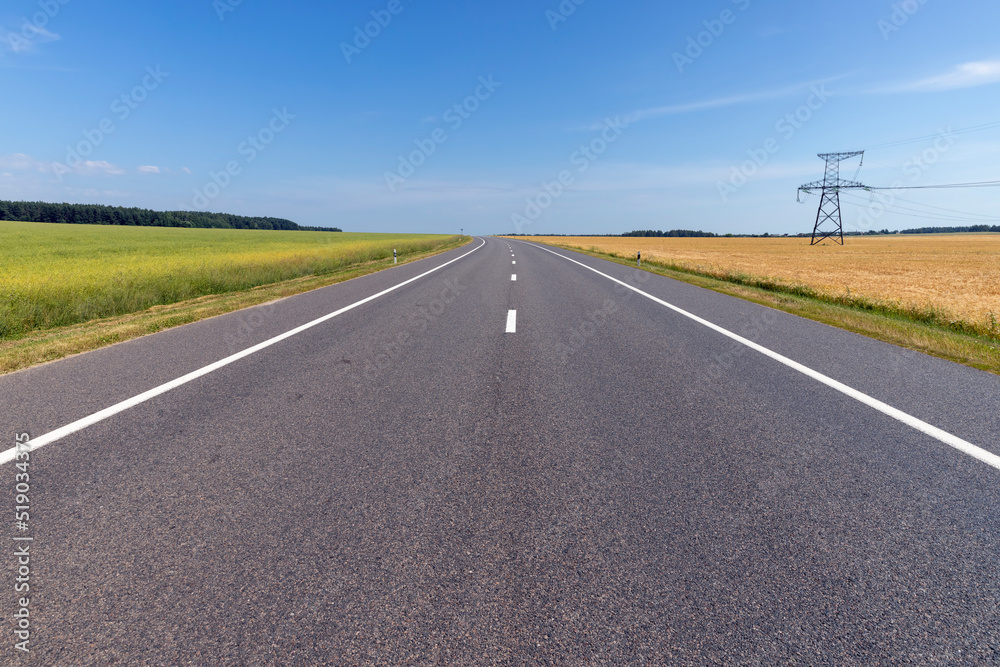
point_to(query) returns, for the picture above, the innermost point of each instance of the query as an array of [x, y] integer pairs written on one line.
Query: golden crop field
[[957, 273], [54, 275]]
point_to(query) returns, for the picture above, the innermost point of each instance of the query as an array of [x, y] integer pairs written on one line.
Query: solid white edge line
[[961, 445], [80, 424], [511, 321]]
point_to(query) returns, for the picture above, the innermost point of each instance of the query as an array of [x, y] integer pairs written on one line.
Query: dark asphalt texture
[[408, 484]]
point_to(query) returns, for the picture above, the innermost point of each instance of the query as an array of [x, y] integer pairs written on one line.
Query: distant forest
[[951, 230], [671, 233], [95, 214]]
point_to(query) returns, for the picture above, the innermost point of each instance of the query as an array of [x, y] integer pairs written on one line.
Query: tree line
[[671, 233], [97, 214], [952, 230]]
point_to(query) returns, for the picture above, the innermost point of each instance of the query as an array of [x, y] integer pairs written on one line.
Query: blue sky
[[545, 116]]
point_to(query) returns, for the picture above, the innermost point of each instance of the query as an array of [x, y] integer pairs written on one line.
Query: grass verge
[[47, 345], [929, 330]]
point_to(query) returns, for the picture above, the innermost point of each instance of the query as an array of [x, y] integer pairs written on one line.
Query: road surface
[[510, 459]]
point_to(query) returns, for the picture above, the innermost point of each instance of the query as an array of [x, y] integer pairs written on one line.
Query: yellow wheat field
[[958, 273]]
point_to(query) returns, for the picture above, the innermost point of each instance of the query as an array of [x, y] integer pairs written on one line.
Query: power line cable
[[966, 130], [906, 214], [948, 210], [946, 186], [916, 213]]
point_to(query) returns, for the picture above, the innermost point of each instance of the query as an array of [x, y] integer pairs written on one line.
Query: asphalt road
[[612, 482]]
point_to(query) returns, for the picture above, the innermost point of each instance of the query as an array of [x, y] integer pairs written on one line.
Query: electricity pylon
[[829, 202]]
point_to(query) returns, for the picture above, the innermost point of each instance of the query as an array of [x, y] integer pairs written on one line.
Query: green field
[[54, 275]]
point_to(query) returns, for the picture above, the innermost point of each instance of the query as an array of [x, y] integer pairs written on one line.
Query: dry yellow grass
[[958, 274]]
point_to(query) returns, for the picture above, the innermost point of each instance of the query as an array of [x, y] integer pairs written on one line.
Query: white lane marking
[[961, 445], [80, 424], [513, 277], [511, 321], [513, 262]]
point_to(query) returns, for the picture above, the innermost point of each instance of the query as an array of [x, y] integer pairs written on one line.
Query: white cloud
[[99, 167], [149, 169], [625, 177], [93, 193], [720, 102], [641, 184], [350, 194], [26, 38], [967, 75], [185, 170], [22, 162]]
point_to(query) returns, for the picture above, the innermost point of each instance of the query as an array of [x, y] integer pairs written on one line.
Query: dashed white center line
[[513, 278], [511, 321], [513, 262]]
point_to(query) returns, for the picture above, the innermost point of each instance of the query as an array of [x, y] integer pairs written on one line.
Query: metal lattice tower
[[829, 203]]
